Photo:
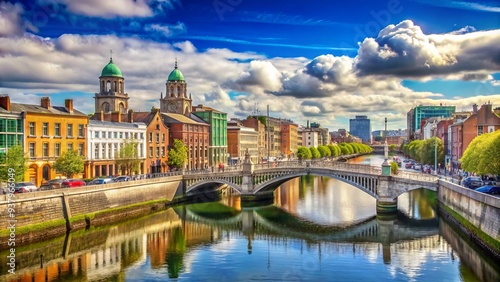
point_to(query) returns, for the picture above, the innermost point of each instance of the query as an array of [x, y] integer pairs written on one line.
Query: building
[[176, 112], [310, 137], [217, 148], [241, 139], [257, 123], [49, 132], [106, 139], [11, 126], [289, 138], [323, 135], [361, 127], [415, 116], [112, 96]]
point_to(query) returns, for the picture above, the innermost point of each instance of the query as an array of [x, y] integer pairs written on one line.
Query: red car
[[72, 183]]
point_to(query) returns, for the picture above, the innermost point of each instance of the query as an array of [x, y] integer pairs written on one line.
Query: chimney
[[131, 116], [101, 115], [45, 102], [474, 109], [5, 102], [116, 116], [68, 103]]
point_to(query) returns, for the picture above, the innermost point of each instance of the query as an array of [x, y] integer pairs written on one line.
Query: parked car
[[51, 184], [492, 180], [24, 187], [408, 165], [472, 182], [72, 183], [121, 178], [489, 189], [99, 181], [417, 166]]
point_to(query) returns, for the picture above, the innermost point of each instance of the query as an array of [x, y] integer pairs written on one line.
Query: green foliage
[[392, 148], [394, 167], [344, 150], [263, 120], [335, 150], [324, 151], [427, 153], [315, 153], [127, 158], [303, 153], [482, 154], [13, 163], [178, 154], [69, 163]]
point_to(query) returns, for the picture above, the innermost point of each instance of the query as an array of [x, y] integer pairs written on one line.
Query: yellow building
[[49, 132]]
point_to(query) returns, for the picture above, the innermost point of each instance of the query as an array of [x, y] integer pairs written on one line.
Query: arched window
[[122, 108], [171, 92], [121, 87], [108, 86], [45, 172], [102, 86], [105, 107], [178, 91], [116, 86]]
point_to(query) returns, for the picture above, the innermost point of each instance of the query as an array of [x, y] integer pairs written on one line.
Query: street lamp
[[435, 148]]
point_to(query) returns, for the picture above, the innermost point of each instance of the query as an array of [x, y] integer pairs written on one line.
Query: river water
[[318, 229]]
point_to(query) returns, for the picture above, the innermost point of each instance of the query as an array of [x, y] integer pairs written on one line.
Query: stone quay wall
[[61, 205], [479, 209]]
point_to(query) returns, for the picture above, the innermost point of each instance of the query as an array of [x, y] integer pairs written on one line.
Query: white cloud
[[328, 89], [10, 19], [166, 30], [106, 9]]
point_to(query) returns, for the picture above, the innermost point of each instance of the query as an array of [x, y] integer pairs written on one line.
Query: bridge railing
[[416, 176], [322, 164]]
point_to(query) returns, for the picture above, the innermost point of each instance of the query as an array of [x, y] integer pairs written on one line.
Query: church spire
[[175, 62]]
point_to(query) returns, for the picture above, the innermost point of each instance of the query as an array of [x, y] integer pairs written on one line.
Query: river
[[318, 229]]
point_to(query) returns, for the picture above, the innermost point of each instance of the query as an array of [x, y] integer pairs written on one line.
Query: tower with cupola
[[176, 100], [111, 96]]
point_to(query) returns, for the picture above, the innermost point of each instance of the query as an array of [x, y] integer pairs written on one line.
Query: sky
[[318, 61]]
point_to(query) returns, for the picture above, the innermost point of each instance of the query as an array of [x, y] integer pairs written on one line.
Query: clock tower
[[176, 100]]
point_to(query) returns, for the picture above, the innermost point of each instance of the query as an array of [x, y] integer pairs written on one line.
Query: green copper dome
[[111, 69], [176, 74]]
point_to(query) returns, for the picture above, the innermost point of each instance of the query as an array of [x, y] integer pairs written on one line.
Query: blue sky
[[323, 61]]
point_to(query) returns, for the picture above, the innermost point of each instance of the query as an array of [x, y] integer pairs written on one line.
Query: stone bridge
[[258, 182]]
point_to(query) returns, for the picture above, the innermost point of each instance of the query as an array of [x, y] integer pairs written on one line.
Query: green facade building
[[217, 150], [11, 126], [416, 115]]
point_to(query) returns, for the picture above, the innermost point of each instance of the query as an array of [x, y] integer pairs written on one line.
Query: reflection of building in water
[[159, 243], [288, 194]]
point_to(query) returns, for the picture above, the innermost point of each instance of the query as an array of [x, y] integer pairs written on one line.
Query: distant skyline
[[322, 61]]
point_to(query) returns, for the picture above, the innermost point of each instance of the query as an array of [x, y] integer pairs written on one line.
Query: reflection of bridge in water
[[263, 221]]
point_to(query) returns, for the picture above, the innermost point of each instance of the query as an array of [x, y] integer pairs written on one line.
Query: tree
[[324, 151], [481, 156], [335, 150], [13, 163], [303, 153], [427, 151], [392, 148], [127, 158], [178, 154], [394, 167], [314, 153], [69, 163]]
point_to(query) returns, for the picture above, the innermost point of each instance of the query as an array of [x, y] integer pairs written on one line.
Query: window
[[110, 150], [45, 149], [126, 135], [11, 125], [157, 138], [3, 125], [96, 151], [163, 138], [103, 151], [96, 134], [57, 129], [70, 130], [57, 149], [121, 135], [109, 134], [32, 128], [45, 129], [32, 150], [81, 148], [163, 151], [157, 152], [70, 146], [80, 131], [150, 152], [103, 134], [115, 134], [480, 130], [150, 137]]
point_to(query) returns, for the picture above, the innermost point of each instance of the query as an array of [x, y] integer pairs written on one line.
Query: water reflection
[[317, 229]]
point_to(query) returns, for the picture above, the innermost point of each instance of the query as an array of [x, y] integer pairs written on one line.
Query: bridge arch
[[205, 183], [364, 183]]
